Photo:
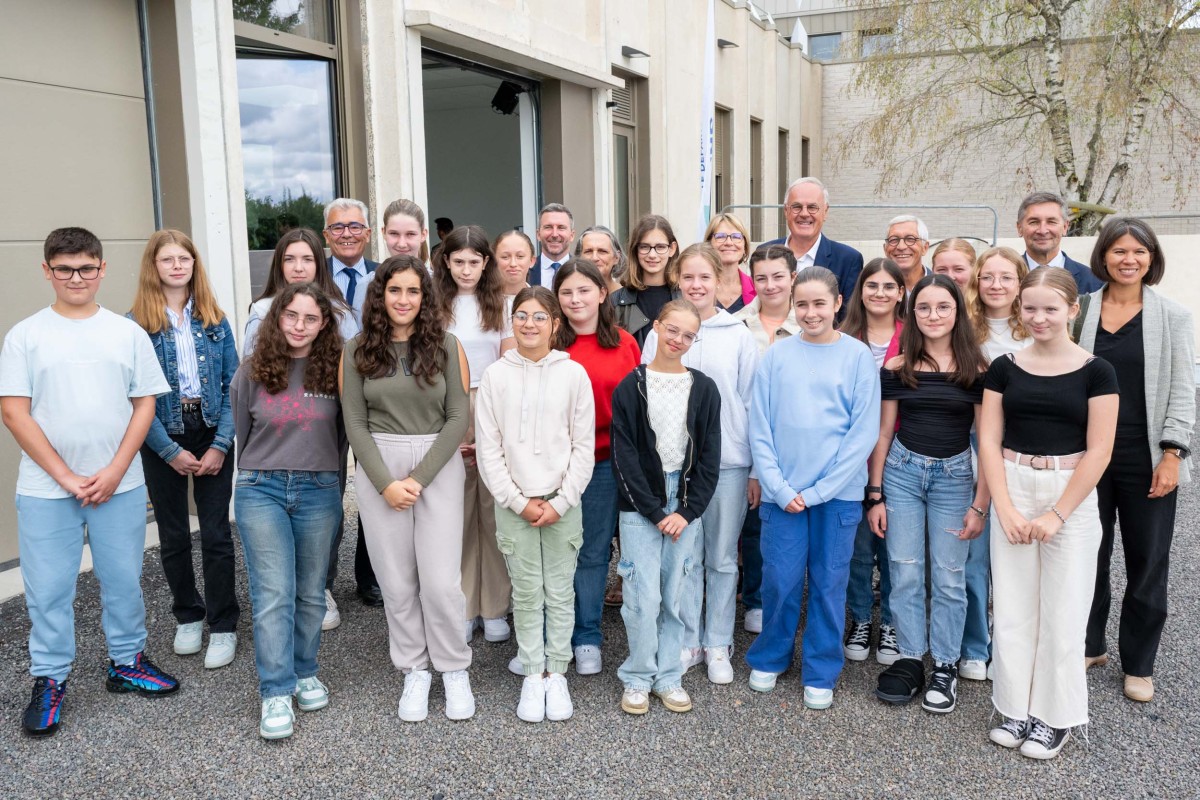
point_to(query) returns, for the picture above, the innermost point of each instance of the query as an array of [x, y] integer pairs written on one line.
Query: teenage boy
[[77, 389]]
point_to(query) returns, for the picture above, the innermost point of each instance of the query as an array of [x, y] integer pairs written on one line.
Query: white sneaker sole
[[217, 663], [459, 714], [855, 654], [329, 623]]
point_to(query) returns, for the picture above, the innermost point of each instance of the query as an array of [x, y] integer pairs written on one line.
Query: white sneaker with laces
[[762, 681], [719, 668], [516, 667], [311, 694], [414, 702], [588, 660], [277, 718], [189, 636], [973, 670], [496, 630], [333, 617], [221, 648], [752, 622], [817, 699], [532, 706], [460, 703], [690, 657], [857, 645], [558, 698]]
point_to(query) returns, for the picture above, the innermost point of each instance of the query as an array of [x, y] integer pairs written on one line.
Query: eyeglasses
[[293, 319], [660, 249], [1003, 280], [338, 228], [539, 317], [671, 332], [942, 309], [88, 273], [183, 261], [720, 237], [796, 208], [909, 241], [871, 287]]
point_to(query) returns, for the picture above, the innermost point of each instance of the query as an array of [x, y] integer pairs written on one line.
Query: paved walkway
[[203, 742]]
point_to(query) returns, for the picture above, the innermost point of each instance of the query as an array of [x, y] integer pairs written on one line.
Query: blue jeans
[[715, 587], [654, 568], [286, 520], [814, 546], [869, 551], [599, 506], [976, 640], [926, 501], [50, 540], [752, 567]]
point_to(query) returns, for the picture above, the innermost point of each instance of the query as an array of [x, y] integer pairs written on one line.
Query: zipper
[[646, 398]]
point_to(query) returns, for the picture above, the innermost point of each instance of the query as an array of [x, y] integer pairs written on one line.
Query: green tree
[[267, 220], [262, 12]]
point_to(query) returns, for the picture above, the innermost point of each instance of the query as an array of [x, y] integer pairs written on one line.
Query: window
[[308, 18], [784, 173], [825, 46], [722, 142], [878, 41], [756, 179]]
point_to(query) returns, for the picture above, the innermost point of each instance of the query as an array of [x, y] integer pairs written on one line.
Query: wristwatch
[[1175, 451]]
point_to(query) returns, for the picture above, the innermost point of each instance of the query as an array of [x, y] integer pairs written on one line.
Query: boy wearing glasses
[[77, 390]]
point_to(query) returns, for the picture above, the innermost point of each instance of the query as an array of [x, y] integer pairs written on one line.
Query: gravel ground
[[203, 742]]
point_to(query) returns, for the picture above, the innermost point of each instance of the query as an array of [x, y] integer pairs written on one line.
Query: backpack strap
[[1077, 324]]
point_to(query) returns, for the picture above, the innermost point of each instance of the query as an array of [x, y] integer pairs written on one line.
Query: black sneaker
[[45, 707], [943, 684], [141, 676], [1044, 742], [901, 682], [889, 650], [858, 642], [1012, 733]]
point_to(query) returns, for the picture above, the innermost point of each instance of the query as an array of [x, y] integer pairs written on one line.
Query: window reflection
[[307, 18]]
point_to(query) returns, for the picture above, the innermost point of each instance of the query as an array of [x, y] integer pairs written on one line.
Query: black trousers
[[168, 492], [364, 574], [1147, 527]]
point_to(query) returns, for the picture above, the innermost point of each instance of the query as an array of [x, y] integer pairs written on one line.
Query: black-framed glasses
[[661, 249], [88, 273], [892, 241], [338, 228], [539, 317]]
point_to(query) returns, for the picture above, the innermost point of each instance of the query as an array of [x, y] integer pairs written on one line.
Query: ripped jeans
[[926, 500], [653, 567]]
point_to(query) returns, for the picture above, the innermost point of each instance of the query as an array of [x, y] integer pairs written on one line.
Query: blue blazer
[[1083, 276], [842, 260]]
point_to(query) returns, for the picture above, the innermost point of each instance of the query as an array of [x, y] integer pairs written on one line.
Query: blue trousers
[[813, 546], [599, 506]]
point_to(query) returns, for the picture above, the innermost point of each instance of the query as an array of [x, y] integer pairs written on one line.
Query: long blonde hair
[[150, 304], [975, 303]]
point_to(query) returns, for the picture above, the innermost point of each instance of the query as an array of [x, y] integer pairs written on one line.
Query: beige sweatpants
[[485, 581], [416, 555]]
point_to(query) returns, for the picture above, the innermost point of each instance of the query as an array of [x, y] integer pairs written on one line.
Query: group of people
[[770, 424]]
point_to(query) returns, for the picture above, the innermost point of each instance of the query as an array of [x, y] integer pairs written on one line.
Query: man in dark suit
[[806, 207], [1042, 223], [555, 232]]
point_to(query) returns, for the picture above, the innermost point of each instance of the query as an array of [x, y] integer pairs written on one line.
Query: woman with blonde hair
[[191, 436], [995, 304], [729, 236]]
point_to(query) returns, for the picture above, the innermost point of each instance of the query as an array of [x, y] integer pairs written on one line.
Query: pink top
[[748, 292]]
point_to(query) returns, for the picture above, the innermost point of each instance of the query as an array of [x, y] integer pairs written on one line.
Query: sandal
[[614, 598], [901, 682]]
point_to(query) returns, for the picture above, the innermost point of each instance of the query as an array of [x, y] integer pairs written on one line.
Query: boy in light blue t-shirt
[[77, 389]]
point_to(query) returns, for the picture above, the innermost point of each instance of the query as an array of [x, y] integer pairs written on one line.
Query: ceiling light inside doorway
[[505, 99]]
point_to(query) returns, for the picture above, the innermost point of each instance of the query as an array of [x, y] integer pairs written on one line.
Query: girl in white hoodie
[[726, 352], [534, 437]]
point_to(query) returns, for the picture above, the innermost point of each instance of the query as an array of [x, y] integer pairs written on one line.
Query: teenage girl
[[191, 436], [404, 387], [666, 453], [599, 245], [287, 502], [1045, 438], [536, 433], [650, 282], [404, 230], [514, 258], [727, 234], [472, 306], [725, 351], [932, 502], [813, 422], [955, 258], [589, 334], [874, 318]]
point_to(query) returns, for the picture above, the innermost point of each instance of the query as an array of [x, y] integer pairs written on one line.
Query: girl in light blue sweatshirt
[[814, 420]]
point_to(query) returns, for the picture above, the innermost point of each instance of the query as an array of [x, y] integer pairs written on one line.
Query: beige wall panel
[[86, 44]]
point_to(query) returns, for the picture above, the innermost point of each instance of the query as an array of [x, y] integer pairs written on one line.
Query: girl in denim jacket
[[191, 435]]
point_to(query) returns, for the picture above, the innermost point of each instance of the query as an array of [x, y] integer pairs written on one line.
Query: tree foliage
[[262, 12], [268, 219], [1081, 84]]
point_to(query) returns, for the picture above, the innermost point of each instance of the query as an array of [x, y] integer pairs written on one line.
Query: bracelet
[[982, 514], [1058, 514], [875, 489], [869, 503]]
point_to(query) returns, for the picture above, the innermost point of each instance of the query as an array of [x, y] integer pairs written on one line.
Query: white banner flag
[[707, 121]]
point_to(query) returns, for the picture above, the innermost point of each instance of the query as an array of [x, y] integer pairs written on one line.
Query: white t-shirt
[[481, 347], [1000, 341], [667, 396], [79, 375]]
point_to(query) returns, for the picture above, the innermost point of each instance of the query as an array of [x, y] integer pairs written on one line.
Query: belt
[[1044, 462], [190, 406]]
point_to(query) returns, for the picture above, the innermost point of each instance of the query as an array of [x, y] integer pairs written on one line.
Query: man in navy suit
[[555, 232], [1042, 223], [347, 234], [805, 207]]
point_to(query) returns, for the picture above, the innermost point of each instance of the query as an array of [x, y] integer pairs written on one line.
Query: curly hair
[[271, 361], [374, 356], [488, 292]]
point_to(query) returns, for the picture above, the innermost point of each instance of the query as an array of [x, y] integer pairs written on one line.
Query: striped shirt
[[185, 352]]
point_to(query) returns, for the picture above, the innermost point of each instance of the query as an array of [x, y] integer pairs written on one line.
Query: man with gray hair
[[906, 242], [805, 207], [347, 233], [555, 232], [1042, 220]]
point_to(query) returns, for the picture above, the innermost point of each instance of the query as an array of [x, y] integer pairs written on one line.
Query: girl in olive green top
[[404, 399]]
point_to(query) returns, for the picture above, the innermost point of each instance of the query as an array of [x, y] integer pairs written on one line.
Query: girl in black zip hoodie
[[666, 456]]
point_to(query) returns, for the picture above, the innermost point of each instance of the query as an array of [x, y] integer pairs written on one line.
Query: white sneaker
[[277, 718], [973, 670], [690, 657], [414, 703], [752, 622], [471, 626], [558, 698], [817, 699], [532, 706], [762, 681], [332, 617], [189, 636], [460, 703], [719, 668], [221, 647], [311, 694], [588, 660], [516, 667], [496, 630]]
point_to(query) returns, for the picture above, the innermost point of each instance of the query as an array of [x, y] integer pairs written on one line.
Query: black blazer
[[842, 260]]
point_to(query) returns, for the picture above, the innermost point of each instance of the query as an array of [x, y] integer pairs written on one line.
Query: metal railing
[[903, 206]]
